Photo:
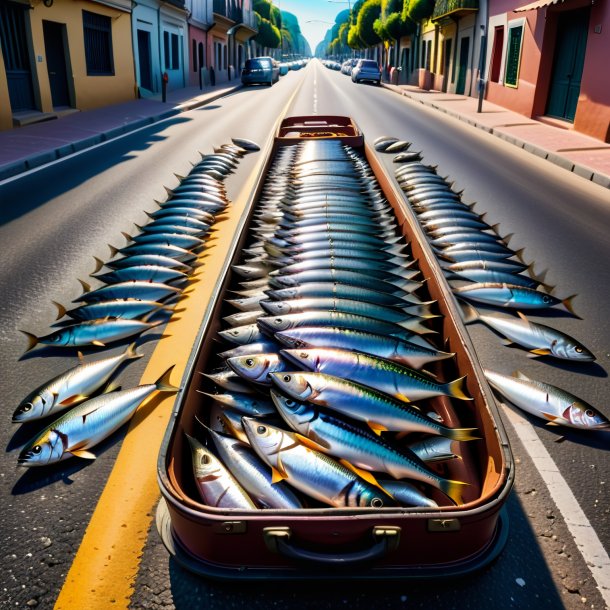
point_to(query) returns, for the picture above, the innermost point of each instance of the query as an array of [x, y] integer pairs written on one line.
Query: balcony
[[444, 9], [228, 9]]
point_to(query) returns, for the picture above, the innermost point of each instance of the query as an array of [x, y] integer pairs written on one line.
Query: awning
[[536, 5]]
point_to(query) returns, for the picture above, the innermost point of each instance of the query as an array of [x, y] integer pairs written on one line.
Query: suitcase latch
[[230, 527], [444, 525]]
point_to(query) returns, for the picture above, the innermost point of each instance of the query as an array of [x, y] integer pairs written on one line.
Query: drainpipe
[[160, 32], [134, 4], [484, 25]]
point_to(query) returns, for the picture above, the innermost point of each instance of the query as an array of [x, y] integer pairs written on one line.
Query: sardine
[[117, 308], [131, 289], [547, 401], [256, 368], [89, 423]]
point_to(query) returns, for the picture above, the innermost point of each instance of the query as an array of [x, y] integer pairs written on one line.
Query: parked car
[[260, 70], [366, 70], [284, 68], [348, 66]]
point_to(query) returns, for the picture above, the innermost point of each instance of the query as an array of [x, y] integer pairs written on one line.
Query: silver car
[[366, 70]]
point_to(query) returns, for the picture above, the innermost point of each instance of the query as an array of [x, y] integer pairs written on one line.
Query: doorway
[[568, 64], [14, 42], [54, 45], [446, 62], [144, 60], [463, 66]]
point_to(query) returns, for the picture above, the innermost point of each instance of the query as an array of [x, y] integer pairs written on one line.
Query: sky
[[317, 11]]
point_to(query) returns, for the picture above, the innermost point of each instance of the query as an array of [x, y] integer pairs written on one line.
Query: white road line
[[579, 526]]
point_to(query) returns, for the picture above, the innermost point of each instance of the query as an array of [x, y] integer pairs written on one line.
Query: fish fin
[[98, 343], [99, 264], [522, 316], [469, 313], [312, 444], [61, 310], [81, 453], [131, 353], [181, 178], [429, 373], [113, 386], [86, 286], [169, 191], [453, 489], [72, 400], [456, 389], [402, 397], [461, 434], [519, 254], [520, 375], [32, 340], [126, 236], [113, 251], [507, 238], [277, 476], [363, 474], [377, 428], [506, 342], [542, 351], [81, 358], [567, 303], [163, 385], [137, 226]]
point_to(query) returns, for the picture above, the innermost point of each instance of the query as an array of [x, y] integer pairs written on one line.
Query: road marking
[[579, 526], [106, 564]]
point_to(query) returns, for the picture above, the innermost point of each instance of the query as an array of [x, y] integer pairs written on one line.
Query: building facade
[[60, 55], [200, 20], [548, 60]]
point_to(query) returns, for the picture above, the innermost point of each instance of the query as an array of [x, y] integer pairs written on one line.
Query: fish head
[[571, 350], [45, 449], [276, 308], [287, 281], [583, 415], [34, 406], [369, 496], [205, 463], [296, 414], [255, 367], [294, 384], [241, 335], [272, 324], [265, 439]]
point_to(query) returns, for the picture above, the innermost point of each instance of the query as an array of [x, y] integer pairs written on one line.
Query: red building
[[549, 59]]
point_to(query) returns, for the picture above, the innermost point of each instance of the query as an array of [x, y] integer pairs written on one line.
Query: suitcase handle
[[385, 539]]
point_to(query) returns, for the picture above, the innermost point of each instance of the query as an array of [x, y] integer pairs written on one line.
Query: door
[[463, 66], [568, 64], [144, 60], [56, 62], [446, 61], [16, 56]]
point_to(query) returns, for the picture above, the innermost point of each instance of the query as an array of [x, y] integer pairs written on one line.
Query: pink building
[[548, 59]]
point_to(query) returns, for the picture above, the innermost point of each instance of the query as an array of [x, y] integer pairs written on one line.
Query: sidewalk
[[576, 152], [28, 147], [24, 148]]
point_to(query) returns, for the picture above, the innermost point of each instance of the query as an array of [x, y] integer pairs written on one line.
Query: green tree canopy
[[368, 14]]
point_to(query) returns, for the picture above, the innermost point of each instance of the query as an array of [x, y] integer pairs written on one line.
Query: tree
[[268, 35], [369, 13], [420, 9]]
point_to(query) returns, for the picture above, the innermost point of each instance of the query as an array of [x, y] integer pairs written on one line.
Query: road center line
[[579, 526]]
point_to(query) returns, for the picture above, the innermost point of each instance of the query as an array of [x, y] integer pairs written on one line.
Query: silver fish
[[547, 401], [89, 423], [71, 388], [256, 368]]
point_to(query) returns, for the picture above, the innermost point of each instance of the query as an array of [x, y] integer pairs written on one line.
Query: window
[[171, 51], [175, 53], [194, 55], [98, 44], [513, 54], [166, 50], [496, 54]]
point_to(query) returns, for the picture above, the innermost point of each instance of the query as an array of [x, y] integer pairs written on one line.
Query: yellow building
[[57, 55]]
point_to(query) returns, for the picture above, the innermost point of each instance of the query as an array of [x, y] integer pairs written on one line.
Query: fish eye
[[261, 429], [36, 449], [205, 459], [376, 503], [27, 407], [286, 378], [290, 402], [578, 349], [302, 355], [278, 320], [249, 362], [589, 413], [546, 299]]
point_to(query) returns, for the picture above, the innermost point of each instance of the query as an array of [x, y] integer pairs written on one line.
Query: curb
[[15, 168], [581, 170]]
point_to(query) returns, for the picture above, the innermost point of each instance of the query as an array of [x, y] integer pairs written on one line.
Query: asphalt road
[[54, 220]]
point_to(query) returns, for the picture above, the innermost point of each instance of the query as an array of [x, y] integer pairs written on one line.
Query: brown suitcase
[[356, 542]]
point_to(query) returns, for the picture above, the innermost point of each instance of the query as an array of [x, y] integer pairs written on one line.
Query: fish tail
[[567, 303], [455, 389], [507, 238], [163, 384], [519, 254], [113, 251], [61, 310], [461, 434], [86, 286], [453, 489], [469, 313], [126, 236], [131, 353], [32, 340]]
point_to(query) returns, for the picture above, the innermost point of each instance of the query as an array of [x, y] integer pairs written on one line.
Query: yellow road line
[[106, 564]]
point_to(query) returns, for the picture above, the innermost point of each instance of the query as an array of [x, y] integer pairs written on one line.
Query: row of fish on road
[[312, 405], [473, 254], [143, 279]]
